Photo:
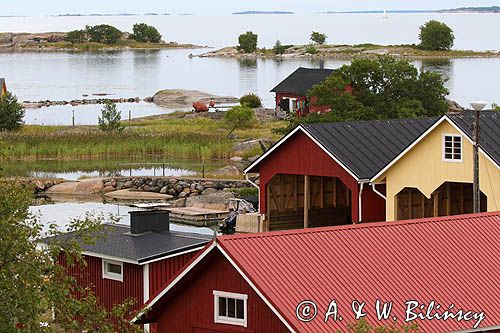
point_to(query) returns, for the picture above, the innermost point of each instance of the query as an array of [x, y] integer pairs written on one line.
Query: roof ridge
[[373, 121], [366, 225]]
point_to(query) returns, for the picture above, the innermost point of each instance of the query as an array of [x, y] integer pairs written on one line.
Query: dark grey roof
[[365, 147], [489, 137], [302, 80], [116, 241]]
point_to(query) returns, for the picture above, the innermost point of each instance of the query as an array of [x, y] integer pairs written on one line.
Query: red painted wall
[[299, 155], [190, 306], [373, 205], [110, 292], [160, 272]]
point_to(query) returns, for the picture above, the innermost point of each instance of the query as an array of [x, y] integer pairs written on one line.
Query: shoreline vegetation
[[55, 42], [349, 52], [178, 135]]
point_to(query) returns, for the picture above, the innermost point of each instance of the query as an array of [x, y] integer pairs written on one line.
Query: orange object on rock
[[200, 106]]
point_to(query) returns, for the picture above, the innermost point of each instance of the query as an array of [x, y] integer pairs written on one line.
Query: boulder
[[209, 191], [228, 170], [108, 189], [236, 158]]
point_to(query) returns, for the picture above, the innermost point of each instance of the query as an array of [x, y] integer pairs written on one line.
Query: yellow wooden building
[[433, 176]]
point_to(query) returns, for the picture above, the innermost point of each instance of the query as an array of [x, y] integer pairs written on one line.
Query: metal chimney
[[142, 221]]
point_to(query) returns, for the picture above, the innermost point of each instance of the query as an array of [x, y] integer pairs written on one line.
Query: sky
[[55, 7]]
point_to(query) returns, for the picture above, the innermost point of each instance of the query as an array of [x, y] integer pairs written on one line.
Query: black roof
[[489, 124], [302, 80], [116, 241], [365, 147]]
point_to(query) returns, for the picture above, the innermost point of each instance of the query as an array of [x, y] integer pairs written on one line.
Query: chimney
[[142, 221]]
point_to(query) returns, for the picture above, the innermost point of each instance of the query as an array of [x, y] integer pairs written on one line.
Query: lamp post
[[476, 196]]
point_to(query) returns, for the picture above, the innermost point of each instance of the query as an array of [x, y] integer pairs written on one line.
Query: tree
[[279, 48], [251, 100], [11, 113], [495, 106], [239, 117], [383, 88], [110, 119], [145, 33], [311, 49], [31, 284], [435, 36], [318, 38], [76, 37], [103, 33], [247, 42]]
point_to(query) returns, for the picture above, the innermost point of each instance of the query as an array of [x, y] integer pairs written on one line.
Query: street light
[[478, 107]]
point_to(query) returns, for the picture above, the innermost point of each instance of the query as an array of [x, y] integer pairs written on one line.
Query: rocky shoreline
[[55, 42], [348, 52]]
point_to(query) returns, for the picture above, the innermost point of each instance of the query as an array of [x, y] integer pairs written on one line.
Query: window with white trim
[[112, 270], [452, 148], [230, 308]]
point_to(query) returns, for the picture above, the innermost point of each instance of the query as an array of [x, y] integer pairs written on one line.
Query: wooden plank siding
[[191, 307], [299, 155], [109, 292], [160, 272]]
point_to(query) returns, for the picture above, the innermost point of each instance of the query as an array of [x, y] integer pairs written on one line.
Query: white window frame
[[228, 320], [453, 153], [110, 275]]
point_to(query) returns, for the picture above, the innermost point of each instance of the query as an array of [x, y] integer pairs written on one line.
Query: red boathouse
[[259, 282], [318, 175]]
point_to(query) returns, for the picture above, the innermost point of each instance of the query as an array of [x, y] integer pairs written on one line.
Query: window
[[230, 308], [112, 270], [452, 148]]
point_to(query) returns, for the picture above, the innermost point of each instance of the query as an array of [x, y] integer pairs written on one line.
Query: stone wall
[[176, 187]]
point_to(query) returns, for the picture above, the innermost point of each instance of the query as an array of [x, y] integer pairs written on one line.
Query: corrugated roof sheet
[[489, 124], [302, 80], [365, 147], [115, 240], [452, 260]]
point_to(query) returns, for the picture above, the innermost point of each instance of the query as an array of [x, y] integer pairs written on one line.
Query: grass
[[171, 137]]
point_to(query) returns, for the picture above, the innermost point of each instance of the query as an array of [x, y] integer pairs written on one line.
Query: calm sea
[[58, 76]]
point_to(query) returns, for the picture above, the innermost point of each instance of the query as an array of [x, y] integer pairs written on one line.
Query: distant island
[[254, 12], [492, 9], [99, 15]]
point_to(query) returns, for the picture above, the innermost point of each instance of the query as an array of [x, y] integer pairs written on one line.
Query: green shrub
[[76, 37], [279, 48], [436, 36], [239, 117], [145, 33], [103, 33], [11, 113], [110, 119], [251, 100], [247, 42], [318, 38], [311, 49], [245, 192]]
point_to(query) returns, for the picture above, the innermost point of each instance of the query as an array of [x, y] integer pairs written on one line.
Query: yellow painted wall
[[423, 167]]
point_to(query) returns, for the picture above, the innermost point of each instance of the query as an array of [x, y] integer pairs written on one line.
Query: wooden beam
[[334, 192], [306, 201], [409, 204], [435, 196], [322, 193], [461, 198], [448, 200]]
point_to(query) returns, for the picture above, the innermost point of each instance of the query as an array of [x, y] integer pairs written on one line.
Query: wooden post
[[322, 193], [436, 203], [409, 204], [448, 200], [306, 201], [267, 222]]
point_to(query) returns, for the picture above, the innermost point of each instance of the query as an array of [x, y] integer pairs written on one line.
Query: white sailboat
[[385, 16]]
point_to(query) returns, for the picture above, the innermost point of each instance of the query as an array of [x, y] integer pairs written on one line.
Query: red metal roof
[[452, 260]]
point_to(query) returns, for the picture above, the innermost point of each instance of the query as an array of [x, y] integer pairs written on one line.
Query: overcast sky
[[54, 7]]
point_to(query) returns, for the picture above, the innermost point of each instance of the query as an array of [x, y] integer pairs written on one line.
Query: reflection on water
[[60, 213], [73, 170], [441, 66]]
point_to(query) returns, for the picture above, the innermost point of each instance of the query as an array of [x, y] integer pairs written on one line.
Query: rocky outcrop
[[24, 40], [179, 98]]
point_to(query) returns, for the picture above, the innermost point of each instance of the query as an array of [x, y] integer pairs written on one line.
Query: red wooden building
[[133, 262], [287, 281], [292, 92], [318, 174]]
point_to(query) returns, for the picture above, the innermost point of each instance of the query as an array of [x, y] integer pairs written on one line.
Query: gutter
[[377, 192], [360, 201]]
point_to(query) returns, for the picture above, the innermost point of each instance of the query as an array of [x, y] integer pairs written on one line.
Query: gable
[[190, 304]]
